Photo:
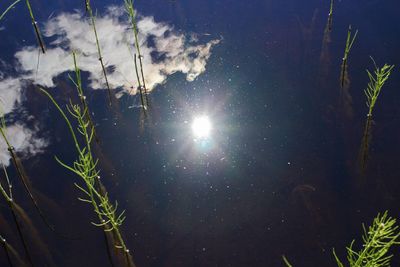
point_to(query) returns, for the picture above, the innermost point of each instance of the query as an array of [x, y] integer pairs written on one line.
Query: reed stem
[[140, 86], [20, 173], [349, 44], [376, 82], [330, 16], [129, 7], [35, 27], [365, 144], [93, 20], [78, 85], [6, 250], [21, 236], [86, 168], [10, 202]]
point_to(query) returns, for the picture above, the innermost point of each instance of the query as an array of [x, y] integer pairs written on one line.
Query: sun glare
[[201, 127]]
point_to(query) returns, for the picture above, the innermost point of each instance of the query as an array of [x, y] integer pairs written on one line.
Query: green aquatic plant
[[376, 82], [93, 21], [377, 240], [330, 16], [35, 27], [86, 167], [285, 260], [129, 7], [8, 9], [325, 56], [11, 253], [78, 85], [6, 248], [139, 87], [22, 176], [349, 44], [8, 196]]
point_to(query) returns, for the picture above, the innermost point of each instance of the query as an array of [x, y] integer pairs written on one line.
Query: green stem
[[64, 117], [23, 241], [99, 50], [140, 87], [330, 16], [8, 9], [132, 15], [36, 27]]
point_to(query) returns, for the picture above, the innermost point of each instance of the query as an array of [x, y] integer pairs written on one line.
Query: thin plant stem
[[330, 16], [129, 7], [349, 44], [93, 20], [144, 83], [23, 179], [6, 250], [78, 85], [86, 168], [376, 82], [35, 27], [11, 253], [365, 144], [140, 86], [8, 9], [11, 204], [108, 249], [285, 260], [21, 236]]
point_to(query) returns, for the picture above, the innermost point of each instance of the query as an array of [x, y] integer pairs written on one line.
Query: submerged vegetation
[[11, 254], [377, 239], [35, 27], [86, 168], [376, 81], [22, 175], [8, 196], [344, 80], [78, 85], [93, 22], [34, 22], [345, 98], [130, 10], [330, 16], [325, 57]]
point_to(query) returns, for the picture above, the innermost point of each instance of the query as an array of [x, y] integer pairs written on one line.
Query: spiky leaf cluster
[[86, 167], [376, 82], [377, 240], [349, 43]]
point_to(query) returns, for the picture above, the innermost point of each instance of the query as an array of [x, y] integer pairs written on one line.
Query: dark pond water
[[277, 173]]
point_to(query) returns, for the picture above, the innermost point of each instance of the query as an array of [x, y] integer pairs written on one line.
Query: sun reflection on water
[[201, 127]]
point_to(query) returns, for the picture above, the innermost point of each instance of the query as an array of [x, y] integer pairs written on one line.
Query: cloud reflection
[[165, 51], [24, 141], [175, 51]]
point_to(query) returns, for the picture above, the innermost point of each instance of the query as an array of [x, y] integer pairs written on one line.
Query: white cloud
[[23, 140], [178, 53], [74, 32], [10, 94]]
